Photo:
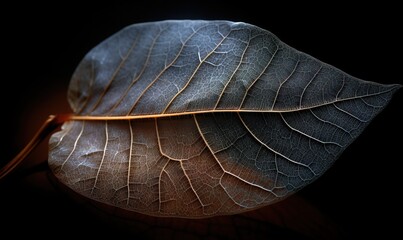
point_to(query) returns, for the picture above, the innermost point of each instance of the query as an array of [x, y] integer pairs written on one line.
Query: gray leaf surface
[[208, 118]]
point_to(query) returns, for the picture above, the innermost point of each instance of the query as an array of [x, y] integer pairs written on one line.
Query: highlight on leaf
[[196, 119]]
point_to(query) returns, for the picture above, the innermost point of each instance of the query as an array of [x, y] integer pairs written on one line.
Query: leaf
[[201, 118]]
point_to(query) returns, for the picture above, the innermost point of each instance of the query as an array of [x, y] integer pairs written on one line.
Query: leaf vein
[[115, 73], [307, 135], [163, 70], [74, 146], [194, 73], [309, 83], [260, 75], [103, 157], [269, 148]]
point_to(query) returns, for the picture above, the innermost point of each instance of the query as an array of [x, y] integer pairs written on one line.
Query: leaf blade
[[209, 118]]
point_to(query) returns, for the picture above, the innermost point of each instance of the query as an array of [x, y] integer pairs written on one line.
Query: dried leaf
[[202, 118]]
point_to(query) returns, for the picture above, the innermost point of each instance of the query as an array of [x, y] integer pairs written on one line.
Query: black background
[[43, 44]]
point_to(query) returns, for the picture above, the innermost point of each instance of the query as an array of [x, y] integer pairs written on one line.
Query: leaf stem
[[51, 123]]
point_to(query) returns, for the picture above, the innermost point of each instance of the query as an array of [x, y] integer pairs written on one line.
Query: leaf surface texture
[[209, 118]]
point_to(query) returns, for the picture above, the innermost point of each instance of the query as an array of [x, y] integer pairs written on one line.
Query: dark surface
[[42, 45]]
